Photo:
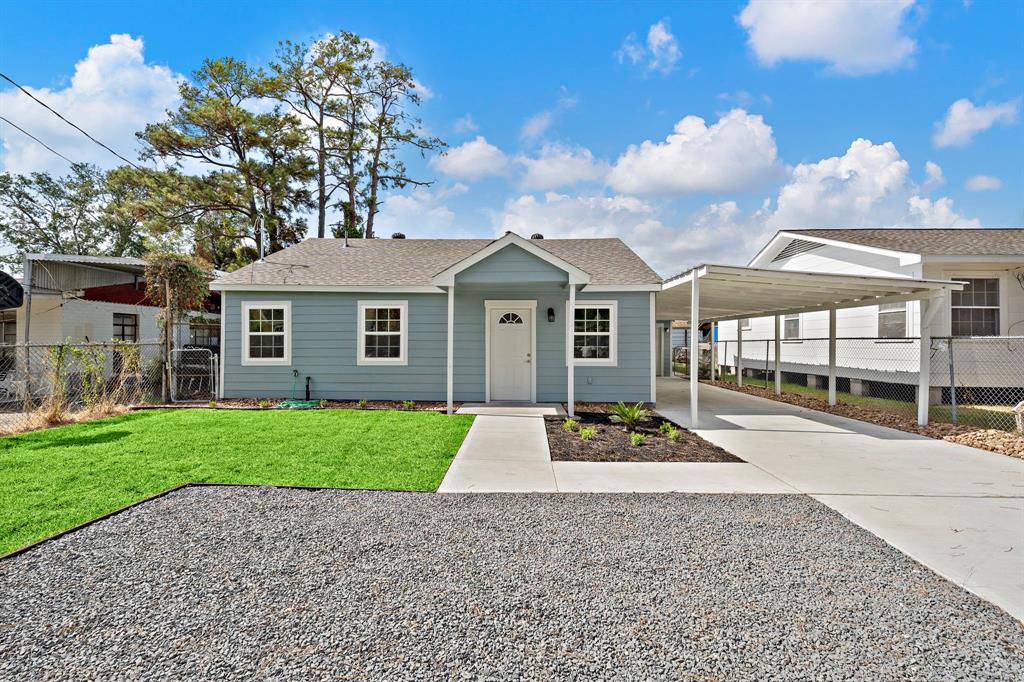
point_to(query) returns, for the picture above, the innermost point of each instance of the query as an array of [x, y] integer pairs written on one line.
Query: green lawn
[[57, 478]]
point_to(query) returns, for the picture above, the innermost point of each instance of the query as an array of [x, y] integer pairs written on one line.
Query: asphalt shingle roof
[[414, 262], [931, 242]]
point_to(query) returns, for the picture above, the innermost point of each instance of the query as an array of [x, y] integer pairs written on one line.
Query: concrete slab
[[513, 409], [498, 476], [665, 477]]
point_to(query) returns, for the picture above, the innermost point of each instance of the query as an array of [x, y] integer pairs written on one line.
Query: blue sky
[[583, 119]]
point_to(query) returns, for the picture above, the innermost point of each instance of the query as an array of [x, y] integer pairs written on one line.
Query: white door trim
[[531, 305]]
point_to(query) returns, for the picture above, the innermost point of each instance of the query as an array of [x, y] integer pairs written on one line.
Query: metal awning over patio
[[715, 293]]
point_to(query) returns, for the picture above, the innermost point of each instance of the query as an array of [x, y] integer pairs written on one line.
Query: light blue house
[[511, 319]]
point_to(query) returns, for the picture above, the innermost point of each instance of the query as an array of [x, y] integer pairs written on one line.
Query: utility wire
[[17, 127], [58, 115]]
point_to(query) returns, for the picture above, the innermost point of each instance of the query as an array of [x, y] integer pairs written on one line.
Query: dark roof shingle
[[990, 241], [414, 262]]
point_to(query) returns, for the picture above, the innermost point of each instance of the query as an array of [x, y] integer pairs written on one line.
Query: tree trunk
[[321, 178]]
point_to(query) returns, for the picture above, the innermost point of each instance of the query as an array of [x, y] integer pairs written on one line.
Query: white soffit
[[732, 292]]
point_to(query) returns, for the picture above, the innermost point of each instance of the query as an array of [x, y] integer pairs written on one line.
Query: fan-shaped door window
[[510, 318]]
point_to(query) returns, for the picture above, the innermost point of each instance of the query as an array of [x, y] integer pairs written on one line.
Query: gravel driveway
[[247, 582]]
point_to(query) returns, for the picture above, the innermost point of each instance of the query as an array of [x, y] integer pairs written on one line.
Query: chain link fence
[[974, 381], [49, 384]]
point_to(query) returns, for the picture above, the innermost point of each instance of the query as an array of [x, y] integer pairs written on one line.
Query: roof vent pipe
[[398, 235], [536, 235]]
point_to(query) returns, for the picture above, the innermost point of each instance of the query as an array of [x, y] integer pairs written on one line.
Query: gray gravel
[[268, 583]]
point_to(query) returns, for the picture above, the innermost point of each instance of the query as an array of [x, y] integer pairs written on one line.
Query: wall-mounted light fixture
[[551, 314]]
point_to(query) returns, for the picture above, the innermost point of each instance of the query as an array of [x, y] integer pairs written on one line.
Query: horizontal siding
[[324, 347], [512, 265]]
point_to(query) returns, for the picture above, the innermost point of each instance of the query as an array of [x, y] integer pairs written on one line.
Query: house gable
[[573, 274], [512, 265]]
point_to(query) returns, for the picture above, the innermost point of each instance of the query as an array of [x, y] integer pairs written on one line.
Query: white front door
[[511, 332]]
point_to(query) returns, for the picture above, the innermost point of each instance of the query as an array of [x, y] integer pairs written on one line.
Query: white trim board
[[244, 327], [447, 277], [361, 307], [491, 304], [613, 351], [233, 286]]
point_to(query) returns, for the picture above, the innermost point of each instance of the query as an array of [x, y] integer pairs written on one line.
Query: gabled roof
[[416, 262], [576, 274], [990, 241]]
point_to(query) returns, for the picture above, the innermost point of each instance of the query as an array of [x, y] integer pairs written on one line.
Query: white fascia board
[[952, 260], [234, 286], [596, 288], [447, 277], [768, 249]]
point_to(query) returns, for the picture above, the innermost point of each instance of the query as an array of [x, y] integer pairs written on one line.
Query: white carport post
[[739, 352], [694, 345], [778, 355], [451, 348], [929, 306], [714, 348], [569, 355], [832, 356]]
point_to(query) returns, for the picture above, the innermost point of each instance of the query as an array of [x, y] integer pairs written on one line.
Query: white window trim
[[745, 327], [613, 351], [979, 274], [906, 321], [799, 327], [361, 358], [286, 306]]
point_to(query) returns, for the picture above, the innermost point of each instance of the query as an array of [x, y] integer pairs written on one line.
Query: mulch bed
[[1003, 442], [611, 444], [420, 406]]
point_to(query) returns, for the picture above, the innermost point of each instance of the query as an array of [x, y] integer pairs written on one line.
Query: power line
[[17, 127], [58, 115]]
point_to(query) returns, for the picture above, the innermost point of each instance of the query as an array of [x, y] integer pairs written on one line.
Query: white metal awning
[[732, 292]]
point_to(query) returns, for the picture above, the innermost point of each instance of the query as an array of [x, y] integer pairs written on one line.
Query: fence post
[[952, 383]]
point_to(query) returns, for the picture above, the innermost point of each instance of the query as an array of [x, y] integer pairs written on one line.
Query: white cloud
[[419, 213], [853, 36], [560, 166], [868, 186], [472, 160], [113, 94], [964, 120], [424, 91], [733, 154], [934, 176], [465, 124], [983, 183], [660, 53], [536, 126]]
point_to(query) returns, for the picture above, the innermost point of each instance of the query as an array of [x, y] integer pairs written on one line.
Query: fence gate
[[193, 374]]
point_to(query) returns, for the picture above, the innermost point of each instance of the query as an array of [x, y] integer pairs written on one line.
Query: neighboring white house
[[990, 261]]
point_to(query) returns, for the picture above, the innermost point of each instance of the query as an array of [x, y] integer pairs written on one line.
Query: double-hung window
[[383, 333], [975, 310], [267, 332], [594, 331], [791, 326], [892, 320]]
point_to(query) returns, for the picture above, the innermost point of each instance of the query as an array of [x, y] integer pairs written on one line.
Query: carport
[[718, 293]]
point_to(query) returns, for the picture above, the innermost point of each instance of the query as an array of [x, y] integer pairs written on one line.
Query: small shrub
[[629, 416], [588, 432], [264, 404], [408, 404], [637, 439], [674, 434], [362, 403], [570, 425], [212, 403], [665, 428], [323, 402]]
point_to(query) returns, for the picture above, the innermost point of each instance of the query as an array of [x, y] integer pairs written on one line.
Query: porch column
[[654, 352], [714, 349], [928, 308], [832, 356], [451, 347], [739, 352], [778, 355], [569, 359], [694, 346]]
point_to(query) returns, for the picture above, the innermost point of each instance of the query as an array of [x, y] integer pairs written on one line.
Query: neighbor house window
[[383, 335], [745, 324], [892, 320], [126, 327], [791, 326], [9, 327], [594, 333], [267, 333], [204, 334], [975, 310]]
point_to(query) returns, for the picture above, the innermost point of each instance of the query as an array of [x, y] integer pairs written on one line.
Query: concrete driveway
[[958, 510]]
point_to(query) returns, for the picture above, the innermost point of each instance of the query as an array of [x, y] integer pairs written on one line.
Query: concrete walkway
[[958, 510]]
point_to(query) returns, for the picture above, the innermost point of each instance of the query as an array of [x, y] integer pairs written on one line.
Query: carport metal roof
[[732, 292]]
